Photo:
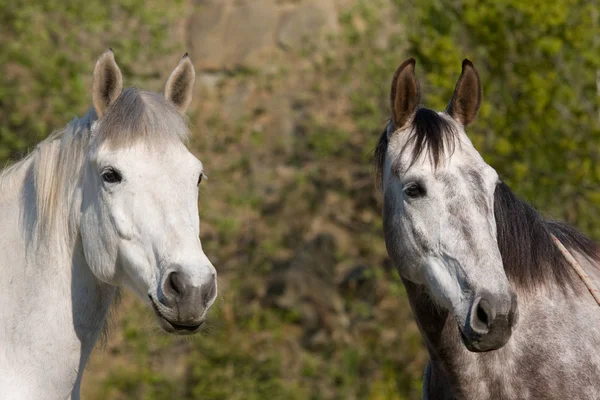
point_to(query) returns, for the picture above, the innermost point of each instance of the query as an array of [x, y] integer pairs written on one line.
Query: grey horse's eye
[[414, 190], [200, 178], [111, 175]]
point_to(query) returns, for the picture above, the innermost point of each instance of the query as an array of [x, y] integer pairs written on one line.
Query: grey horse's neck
[[431, 321], [551, 355]]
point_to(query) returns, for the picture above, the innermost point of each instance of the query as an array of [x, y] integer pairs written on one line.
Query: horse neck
[[54, 308], [72, 306], [557, 329], [91, 300], [441, 337], [86, 298], [430, 318]]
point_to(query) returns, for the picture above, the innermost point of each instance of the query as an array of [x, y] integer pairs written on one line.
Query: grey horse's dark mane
[[528, 251], [530, 257]]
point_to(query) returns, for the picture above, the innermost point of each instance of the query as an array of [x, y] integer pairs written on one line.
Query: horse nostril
[[482, 315], [187, 295], [173, 287], [175, 283], [489, 323]]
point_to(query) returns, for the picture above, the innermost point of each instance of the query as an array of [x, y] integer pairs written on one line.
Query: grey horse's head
[[439, 222]]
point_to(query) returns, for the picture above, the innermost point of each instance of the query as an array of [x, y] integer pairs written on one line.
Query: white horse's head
[[139, 216], [439, 220]]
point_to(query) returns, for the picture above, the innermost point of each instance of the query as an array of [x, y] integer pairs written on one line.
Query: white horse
[[109, 201]]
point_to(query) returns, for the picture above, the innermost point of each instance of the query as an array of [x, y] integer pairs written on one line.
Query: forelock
[[140, 116], [430, 134]]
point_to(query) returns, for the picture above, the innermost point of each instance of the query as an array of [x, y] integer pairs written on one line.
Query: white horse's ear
[[180, 86], [108, 82], [466, 99]]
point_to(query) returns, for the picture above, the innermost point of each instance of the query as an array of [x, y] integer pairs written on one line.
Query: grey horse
[[501, 311]]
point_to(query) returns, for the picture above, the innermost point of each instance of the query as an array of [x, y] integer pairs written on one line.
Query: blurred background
[[291, 96]]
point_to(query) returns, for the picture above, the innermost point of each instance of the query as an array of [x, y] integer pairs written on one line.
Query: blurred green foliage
[[538, 126], [48, 48]]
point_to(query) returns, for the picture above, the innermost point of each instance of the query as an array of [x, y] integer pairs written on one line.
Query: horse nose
[[483, 315], [188, 296], [492, 319]]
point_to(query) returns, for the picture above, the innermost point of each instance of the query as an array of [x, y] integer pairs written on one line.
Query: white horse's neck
[[91, 301], [53, 305]]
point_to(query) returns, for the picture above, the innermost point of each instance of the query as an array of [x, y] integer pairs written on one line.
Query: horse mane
[[55, 166], [524, 236], [56, 171], [529, 254]]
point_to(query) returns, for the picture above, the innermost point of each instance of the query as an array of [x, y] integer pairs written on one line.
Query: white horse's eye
[[111, 175], [200, 178]]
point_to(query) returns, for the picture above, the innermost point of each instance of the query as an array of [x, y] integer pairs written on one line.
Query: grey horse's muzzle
[[490, 321]]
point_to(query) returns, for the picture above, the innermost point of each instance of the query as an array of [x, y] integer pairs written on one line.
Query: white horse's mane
[[55, 166]]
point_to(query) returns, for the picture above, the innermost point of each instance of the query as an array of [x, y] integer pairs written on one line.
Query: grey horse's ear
[[180, 86], [108, 82], [405, 96], [466, 99]]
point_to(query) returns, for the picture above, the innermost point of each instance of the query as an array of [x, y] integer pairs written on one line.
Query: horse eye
[[414, 190], [111, 175], [200, 178]]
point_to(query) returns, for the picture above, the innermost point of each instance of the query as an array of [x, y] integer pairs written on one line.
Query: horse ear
[[467, 95], [405, 94], [108, 82], [180, 86]]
